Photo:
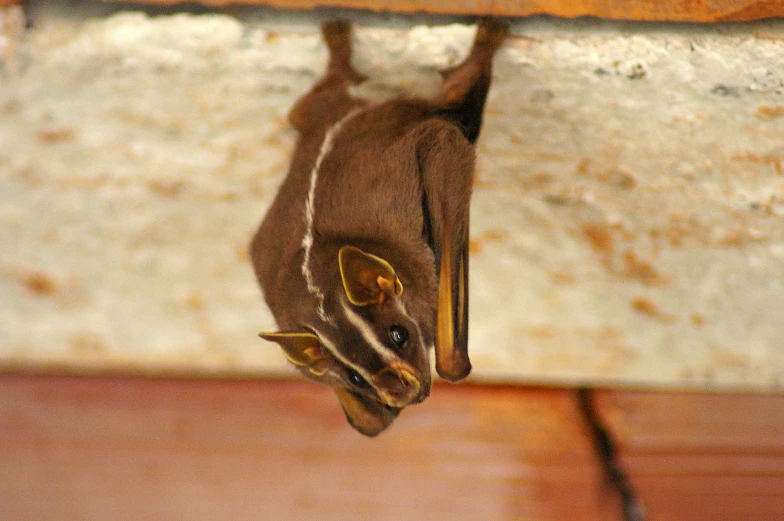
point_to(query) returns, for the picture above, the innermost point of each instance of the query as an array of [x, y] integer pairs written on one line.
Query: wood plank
[[647, 10], [718, 455], [135, 448]]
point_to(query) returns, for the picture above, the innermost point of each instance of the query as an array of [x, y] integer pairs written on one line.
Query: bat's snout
[[399, 385]]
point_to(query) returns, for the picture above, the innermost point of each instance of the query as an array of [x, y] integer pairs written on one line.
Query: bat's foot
[[337, 36], [491, 32], [490, 35], [464, 90], [327, 100]]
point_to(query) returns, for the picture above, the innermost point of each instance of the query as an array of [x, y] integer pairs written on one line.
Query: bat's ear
[[302, 349], [367, 279], [366, 416]]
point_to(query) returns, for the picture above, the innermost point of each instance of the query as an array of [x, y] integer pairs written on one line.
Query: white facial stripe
[[402, 308], [307, 240], [386, 354], [330, 346]]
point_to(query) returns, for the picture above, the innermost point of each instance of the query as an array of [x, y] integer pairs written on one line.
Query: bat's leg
[[329, 98], [337, 35], [463, 93], [446, 167]]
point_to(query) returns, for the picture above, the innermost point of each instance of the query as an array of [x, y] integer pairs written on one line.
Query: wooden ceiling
[[645, 10]]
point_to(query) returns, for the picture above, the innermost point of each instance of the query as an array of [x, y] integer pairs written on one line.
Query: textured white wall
[[628, 218]]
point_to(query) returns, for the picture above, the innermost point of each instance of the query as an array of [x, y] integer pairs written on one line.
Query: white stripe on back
[[307, 240]]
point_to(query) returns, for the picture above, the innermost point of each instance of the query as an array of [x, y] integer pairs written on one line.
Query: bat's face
[[365, 345]]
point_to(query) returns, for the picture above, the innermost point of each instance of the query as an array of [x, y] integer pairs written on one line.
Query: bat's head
[[366, 345]]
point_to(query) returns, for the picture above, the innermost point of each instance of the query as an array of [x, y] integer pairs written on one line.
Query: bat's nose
[[398, 386]]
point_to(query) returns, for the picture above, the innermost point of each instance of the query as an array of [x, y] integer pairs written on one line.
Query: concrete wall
[[627, 218]]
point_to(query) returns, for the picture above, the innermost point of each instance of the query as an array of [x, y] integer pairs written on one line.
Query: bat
[[362, 257]]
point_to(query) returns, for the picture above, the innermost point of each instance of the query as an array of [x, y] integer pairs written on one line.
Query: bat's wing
[[446, 166], [452, 362]]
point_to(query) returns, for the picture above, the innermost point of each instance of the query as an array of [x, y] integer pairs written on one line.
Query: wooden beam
[[644, 10], [135, 448]]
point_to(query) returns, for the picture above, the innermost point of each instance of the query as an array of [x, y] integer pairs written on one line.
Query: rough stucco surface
[[628, 216]]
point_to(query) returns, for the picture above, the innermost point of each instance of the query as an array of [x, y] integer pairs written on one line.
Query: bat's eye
[[356, 379], [398, 335]]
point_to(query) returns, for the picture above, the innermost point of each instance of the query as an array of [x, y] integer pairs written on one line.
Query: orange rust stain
[[55, 135], [646, 307], [39, 283], [722, 359], [542, 332], [641, 270], [619, 178], [535, 181], [776, 162], [698, 320], [561, 277], [194, 301], [600, 238], [767, 112], [614, 176], [732, 239], [682, 226], [740, 237], [242, 253], [584, 166], [165, 188], [10, 108], [676, 232], [477, 244]]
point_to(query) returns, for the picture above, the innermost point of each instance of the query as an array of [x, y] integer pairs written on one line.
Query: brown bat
[[363, 255]]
